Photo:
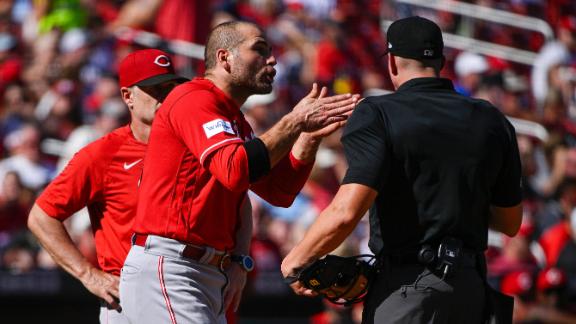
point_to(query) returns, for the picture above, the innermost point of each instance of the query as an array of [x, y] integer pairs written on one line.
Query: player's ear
[[223, 57], [127, 96]]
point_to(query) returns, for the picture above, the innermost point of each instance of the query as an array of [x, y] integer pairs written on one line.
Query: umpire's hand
[[289, 269], [236, 282]]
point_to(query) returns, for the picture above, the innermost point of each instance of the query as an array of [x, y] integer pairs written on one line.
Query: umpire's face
[[252, 62]]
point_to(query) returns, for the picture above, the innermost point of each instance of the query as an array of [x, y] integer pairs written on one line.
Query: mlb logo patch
[[217, 126], [429, 53]]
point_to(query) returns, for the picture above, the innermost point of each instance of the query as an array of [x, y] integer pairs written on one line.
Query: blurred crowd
[[59, 92]]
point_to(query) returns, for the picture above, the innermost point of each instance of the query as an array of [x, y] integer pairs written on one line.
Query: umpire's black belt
[[467, 259]]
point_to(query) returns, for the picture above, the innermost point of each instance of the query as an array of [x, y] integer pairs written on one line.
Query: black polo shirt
[[438, 161]]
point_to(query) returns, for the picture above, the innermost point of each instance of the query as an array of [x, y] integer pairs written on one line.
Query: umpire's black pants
[[413, 294]]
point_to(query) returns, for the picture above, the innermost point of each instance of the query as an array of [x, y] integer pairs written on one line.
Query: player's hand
[[236, 282], [103, 285], [327, 131], [307, 144], [316, 111]]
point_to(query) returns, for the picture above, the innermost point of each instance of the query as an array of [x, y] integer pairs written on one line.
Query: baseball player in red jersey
[[104, 177], [189, 259]]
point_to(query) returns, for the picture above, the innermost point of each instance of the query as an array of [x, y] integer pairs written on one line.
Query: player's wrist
[[245, 261], [305, 148], [83, 272], [310, 139], [294, 122], [88, 276]]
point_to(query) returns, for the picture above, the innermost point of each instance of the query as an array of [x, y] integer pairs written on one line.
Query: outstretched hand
[[316, 111]]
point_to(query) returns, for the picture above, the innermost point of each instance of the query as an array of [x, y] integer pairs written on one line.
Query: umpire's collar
[[420, 84]]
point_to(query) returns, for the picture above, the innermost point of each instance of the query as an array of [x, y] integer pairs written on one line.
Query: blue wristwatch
[[245, 261]]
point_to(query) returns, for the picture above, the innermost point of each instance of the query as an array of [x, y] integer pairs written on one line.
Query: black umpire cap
[[415, 38]]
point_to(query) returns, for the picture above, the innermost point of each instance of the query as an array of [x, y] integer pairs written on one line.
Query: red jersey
[[179, 197], [104, 177], [553, 241]]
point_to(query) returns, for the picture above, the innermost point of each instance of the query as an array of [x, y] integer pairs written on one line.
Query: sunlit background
[[59, 91]]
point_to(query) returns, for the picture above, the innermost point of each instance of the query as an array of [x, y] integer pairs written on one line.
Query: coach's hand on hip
[[103, 285]]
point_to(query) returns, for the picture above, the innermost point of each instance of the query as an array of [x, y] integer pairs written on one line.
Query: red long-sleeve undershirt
[[279, 187]]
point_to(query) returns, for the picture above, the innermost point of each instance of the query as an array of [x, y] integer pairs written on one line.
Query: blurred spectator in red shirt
[[515, 254], [550, 284], [10, 62], [15, 203]]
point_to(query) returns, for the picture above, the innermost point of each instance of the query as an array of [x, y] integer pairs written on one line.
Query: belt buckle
[[223, 261]]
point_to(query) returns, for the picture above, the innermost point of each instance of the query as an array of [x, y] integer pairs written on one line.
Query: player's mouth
[[269, 75]]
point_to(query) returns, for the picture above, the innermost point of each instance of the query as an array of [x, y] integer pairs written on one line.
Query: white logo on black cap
[[428, 53], [162, 60]]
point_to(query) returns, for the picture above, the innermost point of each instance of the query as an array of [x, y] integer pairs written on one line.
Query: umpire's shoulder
[[492, 116], [379, 103], [488, 108], [369, 109]]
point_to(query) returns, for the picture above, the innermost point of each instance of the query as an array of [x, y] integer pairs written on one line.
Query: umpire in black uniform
[[436, 169]]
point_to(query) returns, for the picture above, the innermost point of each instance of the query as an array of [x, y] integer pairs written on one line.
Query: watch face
[[248, 263]]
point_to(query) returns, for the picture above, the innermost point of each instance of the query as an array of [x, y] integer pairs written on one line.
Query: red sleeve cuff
[[298, 164]]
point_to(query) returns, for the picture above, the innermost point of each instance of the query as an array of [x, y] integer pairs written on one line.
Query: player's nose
[[271, 60]]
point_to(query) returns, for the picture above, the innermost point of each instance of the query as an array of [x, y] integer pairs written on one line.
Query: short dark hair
[[224, 35]]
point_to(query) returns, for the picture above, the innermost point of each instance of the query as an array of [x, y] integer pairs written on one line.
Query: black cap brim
[[161, 78]]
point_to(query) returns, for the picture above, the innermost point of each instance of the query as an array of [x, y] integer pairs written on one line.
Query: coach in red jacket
[[104, 177]]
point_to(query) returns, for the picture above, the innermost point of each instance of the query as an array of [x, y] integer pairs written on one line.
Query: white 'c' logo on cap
[[162, 60]]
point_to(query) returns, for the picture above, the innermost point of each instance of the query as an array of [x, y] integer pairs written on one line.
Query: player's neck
[[226, 87], [140, 131]]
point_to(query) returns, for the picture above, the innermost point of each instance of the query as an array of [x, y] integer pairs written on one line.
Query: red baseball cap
[[517, 283], [146, 68], [551, 278], [568, 23]]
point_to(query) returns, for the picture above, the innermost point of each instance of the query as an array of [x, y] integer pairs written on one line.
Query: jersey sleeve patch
[[217, 126]]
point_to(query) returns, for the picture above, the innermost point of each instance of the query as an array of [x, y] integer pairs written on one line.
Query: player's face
[[147, 100], [253, 63]]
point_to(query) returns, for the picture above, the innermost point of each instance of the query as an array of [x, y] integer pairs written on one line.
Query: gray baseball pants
[[159, 285], [112, 316]]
